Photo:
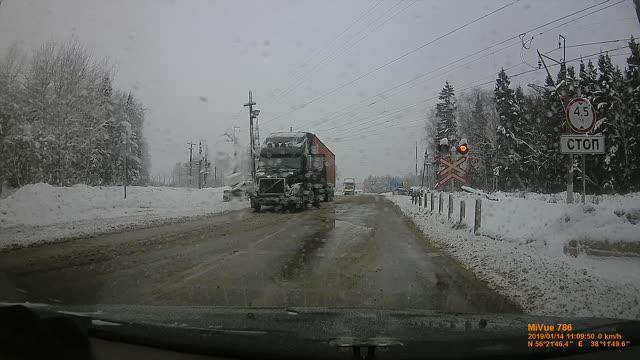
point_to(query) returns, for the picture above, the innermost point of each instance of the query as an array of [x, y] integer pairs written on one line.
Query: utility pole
[[424, 165], [206, 169], [190, 159], [125, 174], [416, 159], [200, 165], [567, 129], [252, 115]]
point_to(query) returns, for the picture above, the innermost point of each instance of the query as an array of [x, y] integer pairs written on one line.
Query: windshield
[[451, 156], [280, 163]]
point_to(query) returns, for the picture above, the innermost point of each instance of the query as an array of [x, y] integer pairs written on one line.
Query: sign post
[[581, 118]]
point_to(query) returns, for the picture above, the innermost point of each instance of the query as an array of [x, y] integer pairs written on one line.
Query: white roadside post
[[581, 118]]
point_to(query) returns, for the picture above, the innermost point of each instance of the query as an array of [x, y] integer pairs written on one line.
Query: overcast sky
[[192, 62]]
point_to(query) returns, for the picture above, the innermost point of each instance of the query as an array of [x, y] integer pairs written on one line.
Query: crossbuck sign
[[452, 171]]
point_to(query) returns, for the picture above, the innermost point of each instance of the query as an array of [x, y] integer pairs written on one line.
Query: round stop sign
[[581, 115]]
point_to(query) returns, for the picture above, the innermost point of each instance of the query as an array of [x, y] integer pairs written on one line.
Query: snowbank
[[550, 223], [520, 250], [35, 210]]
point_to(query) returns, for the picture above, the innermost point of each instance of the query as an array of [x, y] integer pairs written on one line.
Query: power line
[[329, 116], [357, 134], [468, 63], [422, 82], [403, 108], [369, 120], [338, 52], [572, 46], [597, 43], [518, 36], [474, 84], [237, 115], [391, 62], [327, 47]]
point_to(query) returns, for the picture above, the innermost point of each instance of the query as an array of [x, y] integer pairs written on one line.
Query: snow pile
[[555, 224], [35, 210], [542, 219], [523, 256]]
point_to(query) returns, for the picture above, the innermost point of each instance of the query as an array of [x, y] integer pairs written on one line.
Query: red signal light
[[463, 149]]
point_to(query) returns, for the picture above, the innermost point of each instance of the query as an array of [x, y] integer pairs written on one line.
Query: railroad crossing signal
[[462, 147], [452, 171], [443, 146]]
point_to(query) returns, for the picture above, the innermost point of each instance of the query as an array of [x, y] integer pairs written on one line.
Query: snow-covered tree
[[61, 122], [608, 102], [553, 124], [447, 127], [474, 114], [507, 157], [11, 114], [631, 96]]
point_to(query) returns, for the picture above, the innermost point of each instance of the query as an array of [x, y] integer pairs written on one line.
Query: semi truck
[[349, 185], [295, 170]]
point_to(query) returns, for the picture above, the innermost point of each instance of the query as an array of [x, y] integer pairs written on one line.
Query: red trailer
[[329, 159]]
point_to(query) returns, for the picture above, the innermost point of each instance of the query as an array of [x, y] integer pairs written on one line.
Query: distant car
[[400, 191], [237, 191]]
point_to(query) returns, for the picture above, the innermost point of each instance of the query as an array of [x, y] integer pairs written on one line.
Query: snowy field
[[41, 212], [520, 250]]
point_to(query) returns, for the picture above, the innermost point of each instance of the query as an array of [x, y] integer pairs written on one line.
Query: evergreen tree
[[588, 83], [447, 126], [608, 102], [480, 152], [553, 123], [534, 154], [507, 157], [632, 113]]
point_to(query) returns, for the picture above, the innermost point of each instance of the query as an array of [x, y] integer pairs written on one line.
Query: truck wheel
[[306, 200], [316, 200], [302, 205], [256, 207]]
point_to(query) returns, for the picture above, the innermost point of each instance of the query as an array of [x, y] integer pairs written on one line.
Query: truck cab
[[349, 185]]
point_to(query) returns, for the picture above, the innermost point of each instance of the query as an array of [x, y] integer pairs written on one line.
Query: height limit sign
[[582, 119], [580, 115]]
